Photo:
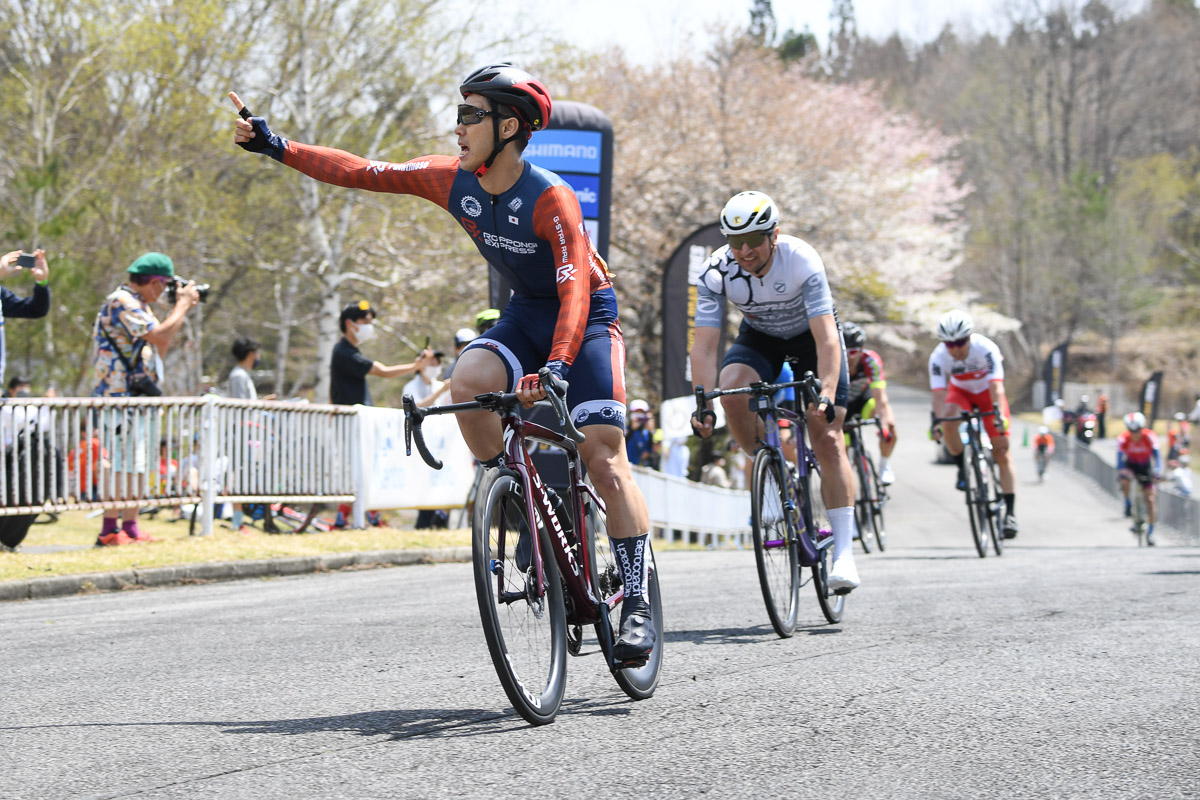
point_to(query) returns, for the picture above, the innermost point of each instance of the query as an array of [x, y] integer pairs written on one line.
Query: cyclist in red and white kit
[[966, 371], [1138, 456], [527, 223]]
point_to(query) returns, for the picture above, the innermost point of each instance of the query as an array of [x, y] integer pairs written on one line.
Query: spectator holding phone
[[12, 305]]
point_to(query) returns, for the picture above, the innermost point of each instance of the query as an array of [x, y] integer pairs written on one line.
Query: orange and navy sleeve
[[429, 177], [578, 269]]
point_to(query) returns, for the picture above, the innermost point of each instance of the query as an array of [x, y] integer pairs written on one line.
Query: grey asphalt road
[[1065, 668]]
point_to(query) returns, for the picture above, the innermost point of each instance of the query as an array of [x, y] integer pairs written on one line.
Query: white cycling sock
[[882, 463], [842, 522]]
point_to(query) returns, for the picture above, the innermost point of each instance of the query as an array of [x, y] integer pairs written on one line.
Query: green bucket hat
[[152, 264]]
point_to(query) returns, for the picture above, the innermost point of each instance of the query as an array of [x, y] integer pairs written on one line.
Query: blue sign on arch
[[563, 150], [587, 189]]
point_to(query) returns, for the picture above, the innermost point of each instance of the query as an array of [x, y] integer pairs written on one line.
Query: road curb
[[153, 577]]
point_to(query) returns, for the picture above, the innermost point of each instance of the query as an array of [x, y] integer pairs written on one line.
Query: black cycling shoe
[[636, 642]]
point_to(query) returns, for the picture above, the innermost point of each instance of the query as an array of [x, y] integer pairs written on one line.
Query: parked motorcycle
[[1085, 427]]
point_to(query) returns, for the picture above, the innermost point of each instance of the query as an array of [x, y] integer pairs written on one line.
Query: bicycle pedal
[[842, 592], [633, 663]]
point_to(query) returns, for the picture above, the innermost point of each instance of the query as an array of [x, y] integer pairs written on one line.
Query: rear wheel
[[876, 505], [637, 682], [775, 550], [525, 627], [862, 500], [816, 520]]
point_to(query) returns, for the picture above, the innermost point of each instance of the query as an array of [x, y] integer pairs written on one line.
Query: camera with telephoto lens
[[174, 286]]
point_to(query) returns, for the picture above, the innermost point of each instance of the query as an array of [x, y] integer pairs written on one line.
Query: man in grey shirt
[[241, 385]]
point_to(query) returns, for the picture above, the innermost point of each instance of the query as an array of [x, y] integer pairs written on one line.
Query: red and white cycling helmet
[[954, 325], [507, 85], [523, 95], [1135, 421]]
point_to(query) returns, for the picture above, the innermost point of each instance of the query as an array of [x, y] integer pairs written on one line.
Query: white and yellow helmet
[[749, 212]]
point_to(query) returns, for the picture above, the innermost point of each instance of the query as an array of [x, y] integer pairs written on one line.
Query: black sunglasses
[[739, 240], [470, 115], [959, 342]]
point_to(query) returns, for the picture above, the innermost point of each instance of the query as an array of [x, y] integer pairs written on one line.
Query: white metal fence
[[71, 453], [75, 453]]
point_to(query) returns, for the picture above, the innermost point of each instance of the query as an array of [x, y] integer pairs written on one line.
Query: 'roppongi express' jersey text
[[532, 234]]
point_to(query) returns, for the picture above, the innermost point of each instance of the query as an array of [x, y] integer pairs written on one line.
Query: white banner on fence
[[391, 479], [675, 419]]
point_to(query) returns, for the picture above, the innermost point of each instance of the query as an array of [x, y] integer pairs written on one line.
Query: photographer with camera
[[130, 345], [11, 305]]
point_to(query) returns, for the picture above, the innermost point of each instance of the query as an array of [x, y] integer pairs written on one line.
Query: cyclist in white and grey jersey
[[779, 285], [780, 303]]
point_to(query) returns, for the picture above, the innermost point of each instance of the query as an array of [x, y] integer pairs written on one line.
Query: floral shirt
[[125, 317]]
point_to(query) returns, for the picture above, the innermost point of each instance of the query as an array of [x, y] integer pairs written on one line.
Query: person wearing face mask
[[349, 368], [426, 387]]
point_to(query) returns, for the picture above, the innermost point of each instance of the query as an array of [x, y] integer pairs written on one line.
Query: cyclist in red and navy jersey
[[868, 394], [1138, 457], [966, 371], [527, 223]]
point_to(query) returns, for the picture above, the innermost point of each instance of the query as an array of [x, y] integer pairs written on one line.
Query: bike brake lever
[[702, 413], [556, 392], [413, 430]]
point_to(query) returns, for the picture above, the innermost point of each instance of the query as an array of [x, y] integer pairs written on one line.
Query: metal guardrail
[[1174, 510], [63, 454]]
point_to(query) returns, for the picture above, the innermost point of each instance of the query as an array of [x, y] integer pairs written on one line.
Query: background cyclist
[[563, 313], [779, 284], [966, 371], [1043, 447], [868, 394], [1138, 457]]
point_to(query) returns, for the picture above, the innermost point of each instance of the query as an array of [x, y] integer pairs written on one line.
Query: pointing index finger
[[243, 112]]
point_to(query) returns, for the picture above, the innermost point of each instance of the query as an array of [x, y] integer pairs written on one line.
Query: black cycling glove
[[264, 141]]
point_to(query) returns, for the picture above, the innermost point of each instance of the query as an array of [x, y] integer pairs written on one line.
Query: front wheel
[[525, 626], [1139, 513], [637, 682], [976, 505], [775, 545], [996, 510], [816, 521]]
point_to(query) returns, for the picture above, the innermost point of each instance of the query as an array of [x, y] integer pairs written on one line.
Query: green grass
[[176, 547]]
